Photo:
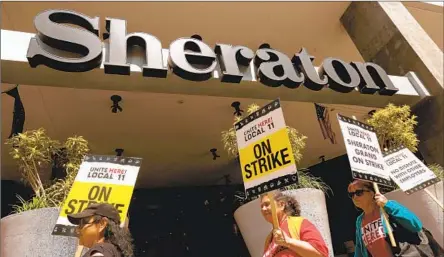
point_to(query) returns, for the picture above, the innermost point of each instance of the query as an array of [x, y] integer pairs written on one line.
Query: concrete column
[[387, 34]]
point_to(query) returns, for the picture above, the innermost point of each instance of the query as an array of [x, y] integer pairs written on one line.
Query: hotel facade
[[160, 81]]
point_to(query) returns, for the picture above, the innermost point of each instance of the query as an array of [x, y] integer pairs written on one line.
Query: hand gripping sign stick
[[389, 228]]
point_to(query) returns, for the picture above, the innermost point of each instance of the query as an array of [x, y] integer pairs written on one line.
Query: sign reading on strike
[[364, 154], [265, 152], [101, 179], [408, 172]]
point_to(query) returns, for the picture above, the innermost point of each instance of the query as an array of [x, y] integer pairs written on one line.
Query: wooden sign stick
[[79, 251], [434, 198], [273, 210], [389, 228]]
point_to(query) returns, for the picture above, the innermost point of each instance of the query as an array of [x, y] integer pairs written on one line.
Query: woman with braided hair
[[296, 236]]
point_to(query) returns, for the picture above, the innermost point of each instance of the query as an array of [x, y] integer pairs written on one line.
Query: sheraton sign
[[74, 49]]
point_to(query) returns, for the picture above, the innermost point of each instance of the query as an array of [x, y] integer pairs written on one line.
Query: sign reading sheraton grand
[[189, 58]]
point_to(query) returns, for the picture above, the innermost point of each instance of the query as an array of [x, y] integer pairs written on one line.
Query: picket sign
[[100, 179], [409, 172], [265, 154], [385, 216]]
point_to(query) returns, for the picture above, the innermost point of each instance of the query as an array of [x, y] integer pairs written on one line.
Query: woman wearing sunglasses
[[99, 229], [371, 230], [297, 237]]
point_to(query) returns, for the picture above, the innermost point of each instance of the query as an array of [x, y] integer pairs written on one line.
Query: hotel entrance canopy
[[169, 113]]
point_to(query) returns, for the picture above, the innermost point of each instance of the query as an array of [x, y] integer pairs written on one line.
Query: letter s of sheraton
[[52, 35]]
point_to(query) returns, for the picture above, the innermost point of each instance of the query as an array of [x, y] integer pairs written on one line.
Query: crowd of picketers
[[99, 229]]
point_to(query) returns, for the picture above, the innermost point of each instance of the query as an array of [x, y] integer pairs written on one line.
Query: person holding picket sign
[[296, 236], [371, 231], [99, 229]]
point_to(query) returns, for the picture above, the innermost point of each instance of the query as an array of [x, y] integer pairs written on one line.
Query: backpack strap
[[294, 226]]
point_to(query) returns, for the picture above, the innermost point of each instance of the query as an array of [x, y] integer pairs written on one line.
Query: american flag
[[324, 122]]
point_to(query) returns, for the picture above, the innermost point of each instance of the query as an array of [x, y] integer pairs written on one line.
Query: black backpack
[[414, 244]]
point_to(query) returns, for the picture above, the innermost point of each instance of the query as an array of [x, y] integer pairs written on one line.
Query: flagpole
[[320, 117]]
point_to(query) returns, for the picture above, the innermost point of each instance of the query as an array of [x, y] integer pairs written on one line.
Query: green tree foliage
[[394, 126], [34, 151]]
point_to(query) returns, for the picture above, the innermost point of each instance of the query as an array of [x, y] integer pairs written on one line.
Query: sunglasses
[[358, 192], [83, 223]]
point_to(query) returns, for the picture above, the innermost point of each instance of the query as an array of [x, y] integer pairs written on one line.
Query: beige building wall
[[431, 19]]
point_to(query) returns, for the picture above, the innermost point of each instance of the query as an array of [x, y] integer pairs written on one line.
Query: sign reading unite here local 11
[[101, 179], [265, 152], [364, 154], [408, 172]]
